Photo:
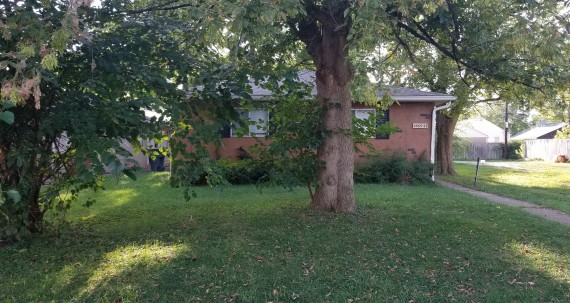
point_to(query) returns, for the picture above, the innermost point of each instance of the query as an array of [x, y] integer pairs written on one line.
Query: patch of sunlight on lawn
[[542, 260], [65, 275], [122, 196], [128, 258], [88, 217], [159, 184], [524, 180]]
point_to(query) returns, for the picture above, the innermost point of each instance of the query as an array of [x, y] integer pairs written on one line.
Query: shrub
[[461, 148], [236, 172], [514, 150], [394, 169], [520, 151], [245, 171]]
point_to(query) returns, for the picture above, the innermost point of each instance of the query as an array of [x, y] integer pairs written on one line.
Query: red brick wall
[[410, 141]]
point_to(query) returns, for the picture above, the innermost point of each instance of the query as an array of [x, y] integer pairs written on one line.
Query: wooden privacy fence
[[474, 150], [546, 149]]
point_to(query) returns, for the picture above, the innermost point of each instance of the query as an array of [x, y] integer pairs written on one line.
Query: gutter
[[424, 98], [433, 122]]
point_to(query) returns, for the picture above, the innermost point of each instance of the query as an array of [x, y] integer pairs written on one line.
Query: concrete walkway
[[547, 213]]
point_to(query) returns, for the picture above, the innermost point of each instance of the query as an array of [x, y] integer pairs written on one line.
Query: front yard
[[542, 183], [141, 242]]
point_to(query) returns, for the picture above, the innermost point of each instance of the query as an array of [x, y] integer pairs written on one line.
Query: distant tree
[[519, 115], [505, 52], [556, 108], [563, 133]]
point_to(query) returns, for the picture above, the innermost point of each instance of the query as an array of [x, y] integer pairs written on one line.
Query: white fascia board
[[423, 98], [261, 97], [396, 98]]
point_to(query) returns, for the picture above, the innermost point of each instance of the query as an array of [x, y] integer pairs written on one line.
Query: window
[[258, 119], [381, 119], [362, 113]]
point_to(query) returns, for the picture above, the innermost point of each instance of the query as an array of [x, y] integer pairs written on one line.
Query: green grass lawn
[[543, 183], [141, 242]]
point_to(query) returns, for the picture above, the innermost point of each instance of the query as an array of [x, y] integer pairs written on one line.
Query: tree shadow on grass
[[430, 247], [411, 255], [75, 265]]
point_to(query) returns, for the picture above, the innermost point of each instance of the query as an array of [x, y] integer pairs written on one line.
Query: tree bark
[[21, 136], [444, 144], [35, 213], [335, 179], [325, 32]]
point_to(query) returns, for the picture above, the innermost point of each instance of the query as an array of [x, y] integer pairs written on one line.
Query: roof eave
[[424, 98], [396, 98]]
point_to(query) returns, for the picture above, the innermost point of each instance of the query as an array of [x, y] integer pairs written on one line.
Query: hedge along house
[[413, 113]]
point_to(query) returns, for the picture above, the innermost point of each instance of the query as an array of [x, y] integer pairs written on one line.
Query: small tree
[[93, 97], [480, 53], [563, 133]]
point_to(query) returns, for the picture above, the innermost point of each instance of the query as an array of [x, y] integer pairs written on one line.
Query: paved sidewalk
[[547, 213]]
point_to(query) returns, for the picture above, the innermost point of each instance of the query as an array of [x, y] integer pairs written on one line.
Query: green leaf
[[14, 195], [7, 117], [130, 173], [7, 104]]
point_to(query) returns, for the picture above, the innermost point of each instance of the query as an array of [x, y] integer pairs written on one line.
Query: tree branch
[[308, 32], [426, 37], [7, 7], [488, 100], [455, 36], [412, 57], [316, 12], [161, 7]]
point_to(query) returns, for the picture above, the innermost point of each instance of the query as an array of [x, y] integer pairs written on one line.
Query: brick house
[[412, 112]]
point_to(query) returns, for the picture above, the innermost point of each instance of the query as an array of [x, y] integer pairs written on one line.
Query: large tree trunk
[[444, 145], [335, 179], [325, 33]]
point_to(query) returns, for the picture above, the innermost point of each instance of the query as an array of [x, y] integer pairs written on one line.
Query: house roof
[[478, 127], [400, 94], [469, 133], [404, 94], [536, 132]]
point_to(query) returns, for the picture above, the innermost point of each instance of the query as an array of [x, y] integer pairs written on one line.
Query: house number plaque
[[419, 125]]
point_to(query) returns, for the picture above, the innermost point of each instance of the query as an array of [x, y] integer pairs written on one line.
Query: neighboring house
[[413, 113], [479, 130], [142, 159], [542, 131]]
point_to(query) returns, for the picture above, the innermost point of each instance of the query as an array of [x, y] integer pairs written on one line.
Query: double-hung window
[[382, 118], [362, 113], [258, 119]]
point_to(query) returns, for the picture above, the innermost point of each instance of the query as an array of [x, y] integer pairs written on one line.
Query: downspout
[[433, 122]]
